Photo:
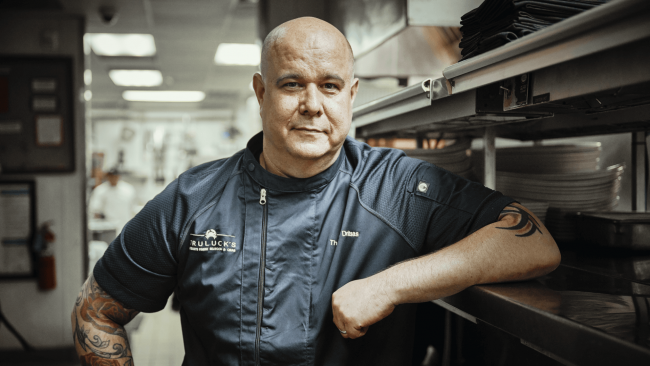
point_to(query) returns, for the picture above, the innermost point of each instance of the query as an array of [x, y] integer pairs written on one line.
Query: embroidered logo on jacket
[[212, 242]]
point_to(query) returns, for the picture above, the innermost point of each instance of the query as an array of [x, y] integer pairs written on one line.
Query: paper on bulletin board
[[15, 229], [49, 130], [44, 85]]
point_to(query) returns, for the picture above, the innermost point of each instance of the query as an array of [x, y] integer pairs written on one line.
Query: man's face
[[306, 97], [113, 179]]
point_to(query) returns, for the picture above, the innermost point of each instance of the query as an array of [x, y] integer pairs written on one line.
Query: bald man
[[307, 247]]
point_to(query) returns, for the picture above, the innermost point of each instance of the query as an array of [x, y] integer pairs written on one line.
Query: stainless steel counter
[[592, 310]]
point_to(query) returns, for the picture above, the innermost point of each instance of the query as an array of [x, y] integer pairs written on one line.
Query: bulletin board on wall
[[17, 229], [36, 115]]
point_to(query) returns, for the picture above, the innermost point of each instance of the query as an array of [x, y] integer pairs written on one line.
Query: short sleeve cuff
[[122, 294], [491, 210]]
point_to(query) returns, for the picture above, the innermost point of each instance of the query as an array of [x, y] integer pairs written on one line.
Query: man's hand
[[359, 304]]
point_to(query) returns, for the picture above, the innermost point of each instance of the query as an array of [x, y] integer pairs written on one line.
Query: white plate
[[610, 172], [550, 149]]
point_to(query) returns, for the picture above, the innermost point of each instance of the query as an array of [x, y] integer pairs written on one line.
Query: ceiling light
[[171, 96], [237, 54], [112, 44], [88, 77], [136, 77]]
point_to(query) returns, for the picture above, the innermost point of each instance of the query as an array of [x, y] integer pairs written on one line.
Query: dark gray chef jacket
[[254, 258]]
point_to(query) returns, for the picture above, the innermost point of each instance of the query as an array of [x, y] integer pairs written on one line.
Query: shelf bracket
[[489, 156]]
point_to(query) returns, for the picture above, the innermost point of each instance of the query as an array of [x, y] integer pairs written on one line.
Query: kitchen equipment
[[630, 230]]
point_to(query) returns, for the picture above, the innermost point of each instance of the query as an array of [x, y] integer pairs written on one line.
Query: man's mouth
[[312, 130]]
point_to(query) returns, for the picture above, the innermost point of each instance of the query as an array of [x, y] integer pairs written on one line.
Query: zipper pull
[[262, 196]]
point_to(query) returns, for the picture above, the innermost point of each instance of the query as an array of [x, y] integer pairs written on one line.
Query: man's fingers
[[341, 327], [350, 331], [356, 333], [355, 309]]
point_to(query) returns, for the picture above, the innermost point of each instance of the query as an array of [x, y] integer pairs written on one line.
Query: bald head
[[302, 30]]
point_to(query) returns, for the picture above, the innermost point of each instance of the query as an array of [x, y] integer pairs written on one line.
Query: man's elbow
[[547, 259]]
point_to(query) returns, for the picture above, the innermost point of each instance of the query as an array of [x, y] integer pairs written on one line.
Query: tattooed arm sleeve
[[98, 327]]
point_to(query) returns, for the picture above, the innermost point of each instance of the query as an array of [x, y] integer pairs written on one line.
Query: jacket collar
[[282, 184]]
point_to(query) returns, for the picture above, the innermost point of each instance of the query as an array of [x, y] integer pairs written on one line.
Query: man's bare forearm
[[98, 327], [518, 247], [515, 248]]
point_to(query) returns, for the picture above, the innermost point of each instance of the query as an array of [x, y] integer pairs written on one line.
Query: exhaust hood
[[399, 38]]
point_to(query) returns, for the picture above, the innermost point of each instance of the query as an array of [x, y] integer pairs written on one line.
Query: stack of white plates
[[454, 157], [565, 193], [549, 159]]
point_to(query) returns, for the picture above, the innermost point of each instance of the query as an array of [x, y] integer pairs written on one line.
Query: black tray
[[630, 230]]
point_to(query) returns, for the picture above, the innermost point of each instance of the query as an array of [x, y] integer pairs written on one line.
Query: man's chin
[[310, 151]]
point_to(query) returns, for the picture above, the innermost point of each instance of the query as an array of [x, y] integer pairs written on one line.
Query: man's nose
[[311, 103]]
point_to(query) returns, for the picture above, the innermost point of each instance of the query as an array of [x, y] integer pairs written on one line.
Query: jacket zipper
[[260, 284]]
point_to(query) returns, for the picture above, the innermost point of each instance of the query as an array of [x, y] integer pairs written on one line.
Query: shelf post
[[419, 139], [639, 188], [647, 182], [489, 156]]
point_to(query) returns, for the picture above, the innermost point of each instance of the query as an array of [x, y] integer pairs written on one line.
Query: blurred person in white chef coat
[[114, 200]]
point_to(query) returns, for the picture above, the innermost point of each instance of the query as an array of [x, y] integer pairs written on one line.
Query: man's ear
[[354, 89], [258, 87]]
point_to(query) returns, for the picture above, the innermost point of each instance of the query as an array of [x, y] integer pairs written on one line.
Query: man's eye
[[291, 85], [330, 86]]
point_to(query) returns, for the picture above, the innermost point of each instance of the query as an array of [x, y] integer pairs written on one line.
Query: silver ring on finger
[[343, 332]]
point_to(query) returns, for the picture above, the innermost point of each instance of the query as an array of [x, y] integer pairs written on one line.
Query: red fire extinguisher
[[46, 263]]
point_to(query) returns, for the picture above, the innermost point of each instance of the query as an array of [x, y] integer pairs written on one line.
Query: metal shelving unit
[[586, 75]]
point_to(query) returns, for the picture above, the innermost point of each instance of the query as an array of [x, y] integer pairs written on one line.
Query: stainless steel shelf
[[450, 113], [415, 96], [409, 99]]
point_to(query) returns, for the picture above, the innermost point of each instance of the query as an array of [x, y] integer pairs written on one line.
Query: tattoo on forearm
[[527, 223], [101, 332]]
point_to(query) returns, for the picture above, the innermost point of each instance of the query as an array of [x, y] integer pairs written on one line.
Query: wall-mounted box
[[36, 115]]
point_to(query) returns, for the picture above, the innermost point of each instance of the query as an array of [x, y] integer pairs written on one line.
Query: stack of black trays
[[497, 22]]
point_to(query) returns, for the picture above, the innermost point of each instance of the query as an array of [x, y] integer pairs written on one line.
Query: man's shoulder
[[203, 183], [209, 174], [387, 164], [101, 189], [385, 180]]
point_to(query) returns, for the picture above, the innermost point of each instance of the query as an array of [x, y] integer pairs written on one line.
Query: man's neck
[[295, 168]]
